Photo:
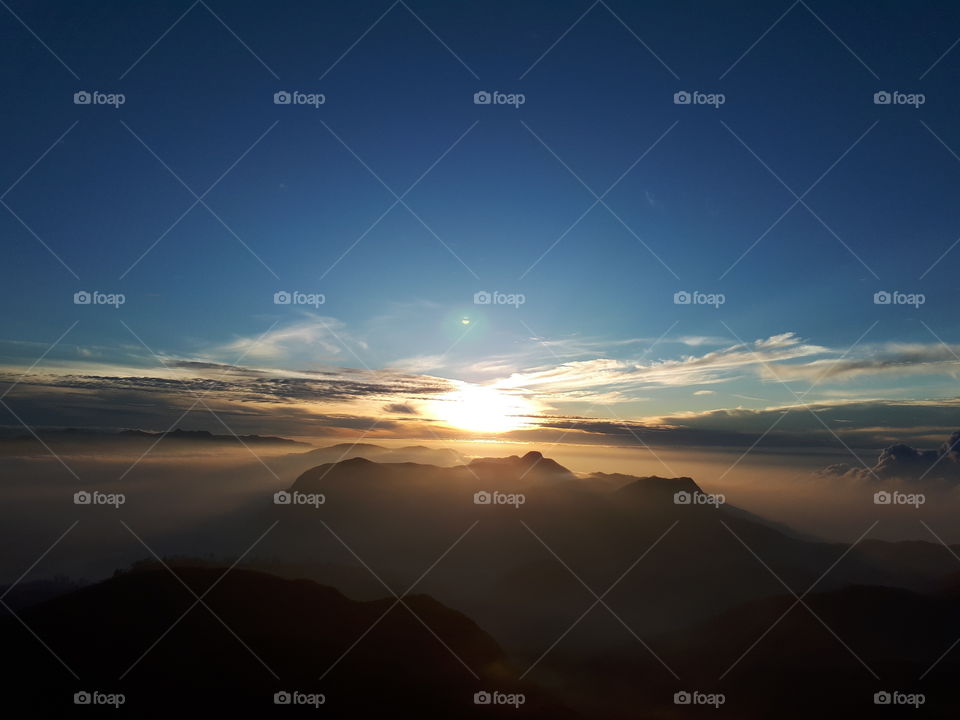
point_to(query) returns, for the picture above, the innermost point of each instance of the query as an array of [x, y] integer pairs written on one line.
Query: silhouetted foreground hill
[[773, 662], [297, 630]]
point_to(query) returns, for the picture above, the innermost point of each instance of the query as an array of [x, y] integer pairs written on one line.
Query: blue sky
[[507, 185]]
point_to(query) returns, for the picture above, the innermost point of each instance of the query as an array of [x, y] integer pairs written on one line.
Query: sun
[[484, 409]]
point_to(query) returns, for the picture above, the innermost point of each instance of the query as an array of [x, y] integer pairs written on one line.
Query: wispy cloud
[[309, 335], [303, 376], [892, 359], [581, 379]]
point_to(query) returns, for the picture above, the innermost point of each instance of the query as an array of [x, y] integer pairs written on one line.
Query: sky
[[587, 211]]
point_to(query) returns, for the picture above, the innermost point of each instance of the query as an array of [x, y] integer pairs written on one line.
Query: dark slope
[[297, 628]]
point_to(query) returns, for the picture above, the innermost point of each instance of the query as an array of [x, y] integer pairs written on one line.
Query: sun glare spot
[[484, 409]]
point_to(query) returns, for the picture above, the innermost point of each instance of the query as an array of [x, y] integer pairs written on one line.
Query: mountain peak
[[532, 466], [639, 486]]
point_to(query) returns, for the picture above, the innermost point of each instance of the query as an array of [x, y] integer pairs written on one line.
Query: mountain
[[513, 472], [785, 665], [33, 592], [514, 549], [81, 441], [652, 489], [224, 659], [206, 436], [442, 457], [526, 560], [516, 469]]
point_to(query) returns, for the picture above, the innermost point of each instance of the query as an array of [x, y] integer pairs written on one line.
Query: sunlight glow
[[484, 409]]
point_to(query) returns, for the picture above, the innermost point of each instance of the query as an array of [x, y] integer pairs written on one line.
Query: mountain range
[[589, 594]]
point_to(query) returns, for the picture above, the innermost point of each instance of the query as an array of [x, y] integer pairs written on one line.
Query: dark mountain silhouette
[[206, 436], [442, 457], [687, 580], [73, 440], [511, 472], [297, 629], [399, 517], [531, 467], [32, 592], [650, 489], [797, 669]]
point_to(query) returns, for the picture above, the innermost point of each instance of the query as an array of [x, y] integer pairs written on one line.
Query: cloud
[[905, 463], [400, 409], [895, 359], [783, 357], [862, 423], [699, 340], [586, 379], [249, 399], [871, 424], [420, 363], [300, 339], [284, 379]]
